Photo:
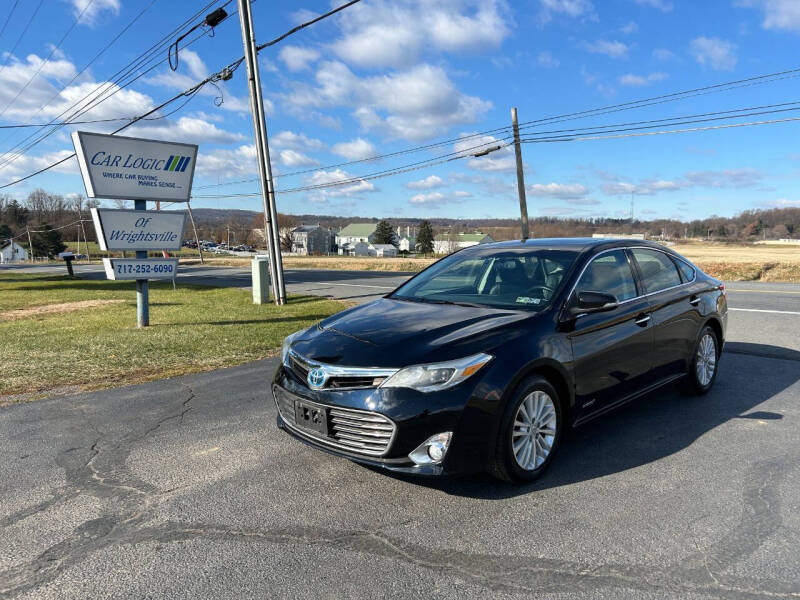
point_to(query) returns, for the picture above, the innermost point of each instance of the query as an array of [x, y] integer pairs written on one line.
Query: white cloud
[[462, 194], [498, 161], [632, 80], [779, 14], [611, 48], [564, 191], [716, 53], [648, 188], [663, 54], [298, 58], [382, 34], [566, 8], [27, 163], [186, 129], [629, 28], [295, 141], [228, 163], [724, 179], [415, 105], [352, 188], [430, 182], [293, 158], [661, 5], [357, 149], [429, 199], [89, 10], [196, 69], [783, 203], [547, 60]]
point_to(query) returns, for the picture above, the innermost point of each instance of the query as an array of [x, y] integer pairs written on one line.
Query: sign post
[[142, 292], [135, 169]]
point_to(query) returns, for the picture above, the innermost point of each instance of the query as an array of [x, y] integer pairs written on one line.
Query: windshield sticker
[[528, 300]]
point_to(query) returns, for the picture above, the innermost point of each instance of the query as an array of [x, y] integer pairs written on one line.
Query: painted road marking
[[729, 289], [761, 310]]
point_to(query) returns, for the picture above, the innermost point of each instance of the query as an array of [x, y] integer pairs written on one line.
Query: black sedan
[[484, 359]]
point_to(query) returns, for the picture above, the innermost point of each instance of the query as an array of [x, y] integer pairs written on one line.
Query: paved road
[[184, 488]]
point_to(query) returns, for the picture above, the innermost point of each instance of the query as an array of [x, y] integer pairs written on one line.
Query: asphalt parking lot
[[185, 488]]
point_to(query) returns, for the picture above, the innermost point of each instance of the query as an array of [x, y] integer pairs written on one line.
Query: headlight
[[286, 344], [437, 376]]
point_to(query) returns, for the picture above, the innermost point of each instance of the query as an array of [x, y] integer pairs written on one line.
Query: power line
[[49, 56], [21, 35], [189, 93], [8, 18], [260, 47], [663, 132], [104, 88], [642, 103]]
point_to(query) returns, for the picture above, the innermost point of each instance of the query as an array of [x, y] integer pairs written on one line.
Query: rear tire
[[703, 364], [530, 432]]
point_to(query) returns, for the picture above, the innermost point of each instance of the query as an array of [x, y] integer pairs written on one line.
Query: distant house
[[382, 250], [311, 239], [12, 252], [355, 249], [406, 244], [356, 232], [446, 243]]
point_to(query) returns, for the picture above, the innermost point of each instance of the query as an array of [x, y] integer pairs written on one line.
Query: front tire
[[530, 432], [704, 363]]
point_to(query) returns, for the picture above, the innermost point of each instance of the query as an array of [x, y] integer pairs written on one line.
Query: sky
[[383, 77]]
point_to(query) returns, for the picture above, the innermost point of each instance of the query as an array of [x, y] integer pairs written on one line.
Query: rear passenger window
[[687, 270], [658, 270], [609, 273]]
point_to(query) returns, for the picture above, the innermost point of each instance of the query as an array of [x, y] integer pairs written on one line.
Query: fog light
[[432, 450]]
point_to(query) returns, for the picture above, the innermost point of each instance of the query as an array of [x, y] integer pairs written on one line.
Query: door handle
[[694, 300], [642, 320]]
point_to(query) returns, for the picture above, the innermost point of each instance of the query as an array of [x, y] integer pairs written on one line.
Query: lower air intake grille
[[356, 431], [368, 433]]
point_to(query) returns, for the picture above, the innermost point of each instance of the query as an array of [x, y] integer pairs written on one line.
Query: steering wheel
[[545, 291]]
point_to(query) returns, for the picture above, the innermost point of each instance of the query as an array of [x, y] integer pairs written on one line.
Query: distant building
[[382, 250], [447, 243], [354, 249], [407, 244], [311, 239], [12, 252], [356, 232], [619, 236]]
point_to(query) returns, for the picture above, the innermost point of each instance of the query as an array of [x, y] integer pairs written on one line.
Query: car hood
[[395, 333]]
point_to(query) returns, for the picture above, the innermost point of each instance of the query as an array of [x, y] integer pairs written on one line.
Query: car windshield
[[519, 278]]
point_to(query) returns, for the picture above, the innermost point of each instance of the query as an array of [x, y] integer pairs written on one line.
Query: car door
[[673, 321], [612, 351]]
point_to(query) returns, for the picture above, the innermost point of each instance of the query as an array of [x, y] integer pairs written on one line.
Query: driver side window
[[610, 273]]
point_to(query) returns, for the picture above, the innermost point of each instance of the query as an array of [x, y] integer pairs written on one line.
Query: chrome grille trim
[[336, 377], [353, 430]]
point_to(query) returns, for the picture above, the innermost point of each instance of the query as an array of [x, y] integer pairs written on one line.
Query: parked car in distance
[[482, 361]]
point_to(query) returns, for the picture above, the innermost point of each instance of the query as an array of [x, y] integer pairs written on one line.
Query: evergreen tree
[[425, 238], [5, 233], [47, 242], [384, 234]]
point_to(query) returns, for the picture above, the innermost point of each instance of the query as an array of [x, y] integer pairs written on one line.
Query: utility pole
[[196, 239], [523, 202], [262, 151], [30, 243]]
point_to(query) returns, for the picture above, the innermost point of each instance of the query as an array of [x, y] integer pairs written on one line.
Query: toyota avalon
[[485, 359]]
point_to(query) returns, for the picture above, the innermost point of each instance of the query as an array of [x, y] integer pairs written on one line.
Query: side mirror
[[591, 302]]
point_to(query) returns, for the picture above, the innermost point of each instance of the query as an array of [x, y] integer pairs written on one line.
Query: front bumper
[[416, 416]]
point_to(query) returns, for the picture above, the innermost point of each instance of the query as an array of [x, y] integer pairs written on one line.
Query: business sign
[[134, 169], [138, 229], [140, 268]]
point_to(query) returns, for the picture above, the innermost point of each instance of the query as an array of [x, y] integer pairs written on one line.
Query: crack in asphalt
[[98, 468]]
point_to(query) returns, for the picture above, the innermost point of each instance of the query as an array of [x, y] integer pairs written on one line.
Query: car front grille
[[338, 377], [357, 431]]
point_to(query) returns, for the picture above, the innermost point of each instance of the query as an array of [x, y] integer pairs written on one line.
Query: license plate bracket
[[312, 417]]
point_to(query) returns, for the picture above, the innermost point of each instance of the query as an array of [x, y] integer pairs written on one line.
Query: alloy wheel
[[534, 430], [706, 361]]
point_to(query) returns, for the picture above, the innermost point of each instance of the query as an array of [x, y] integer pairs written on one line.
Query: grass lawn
[[63, 334]]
